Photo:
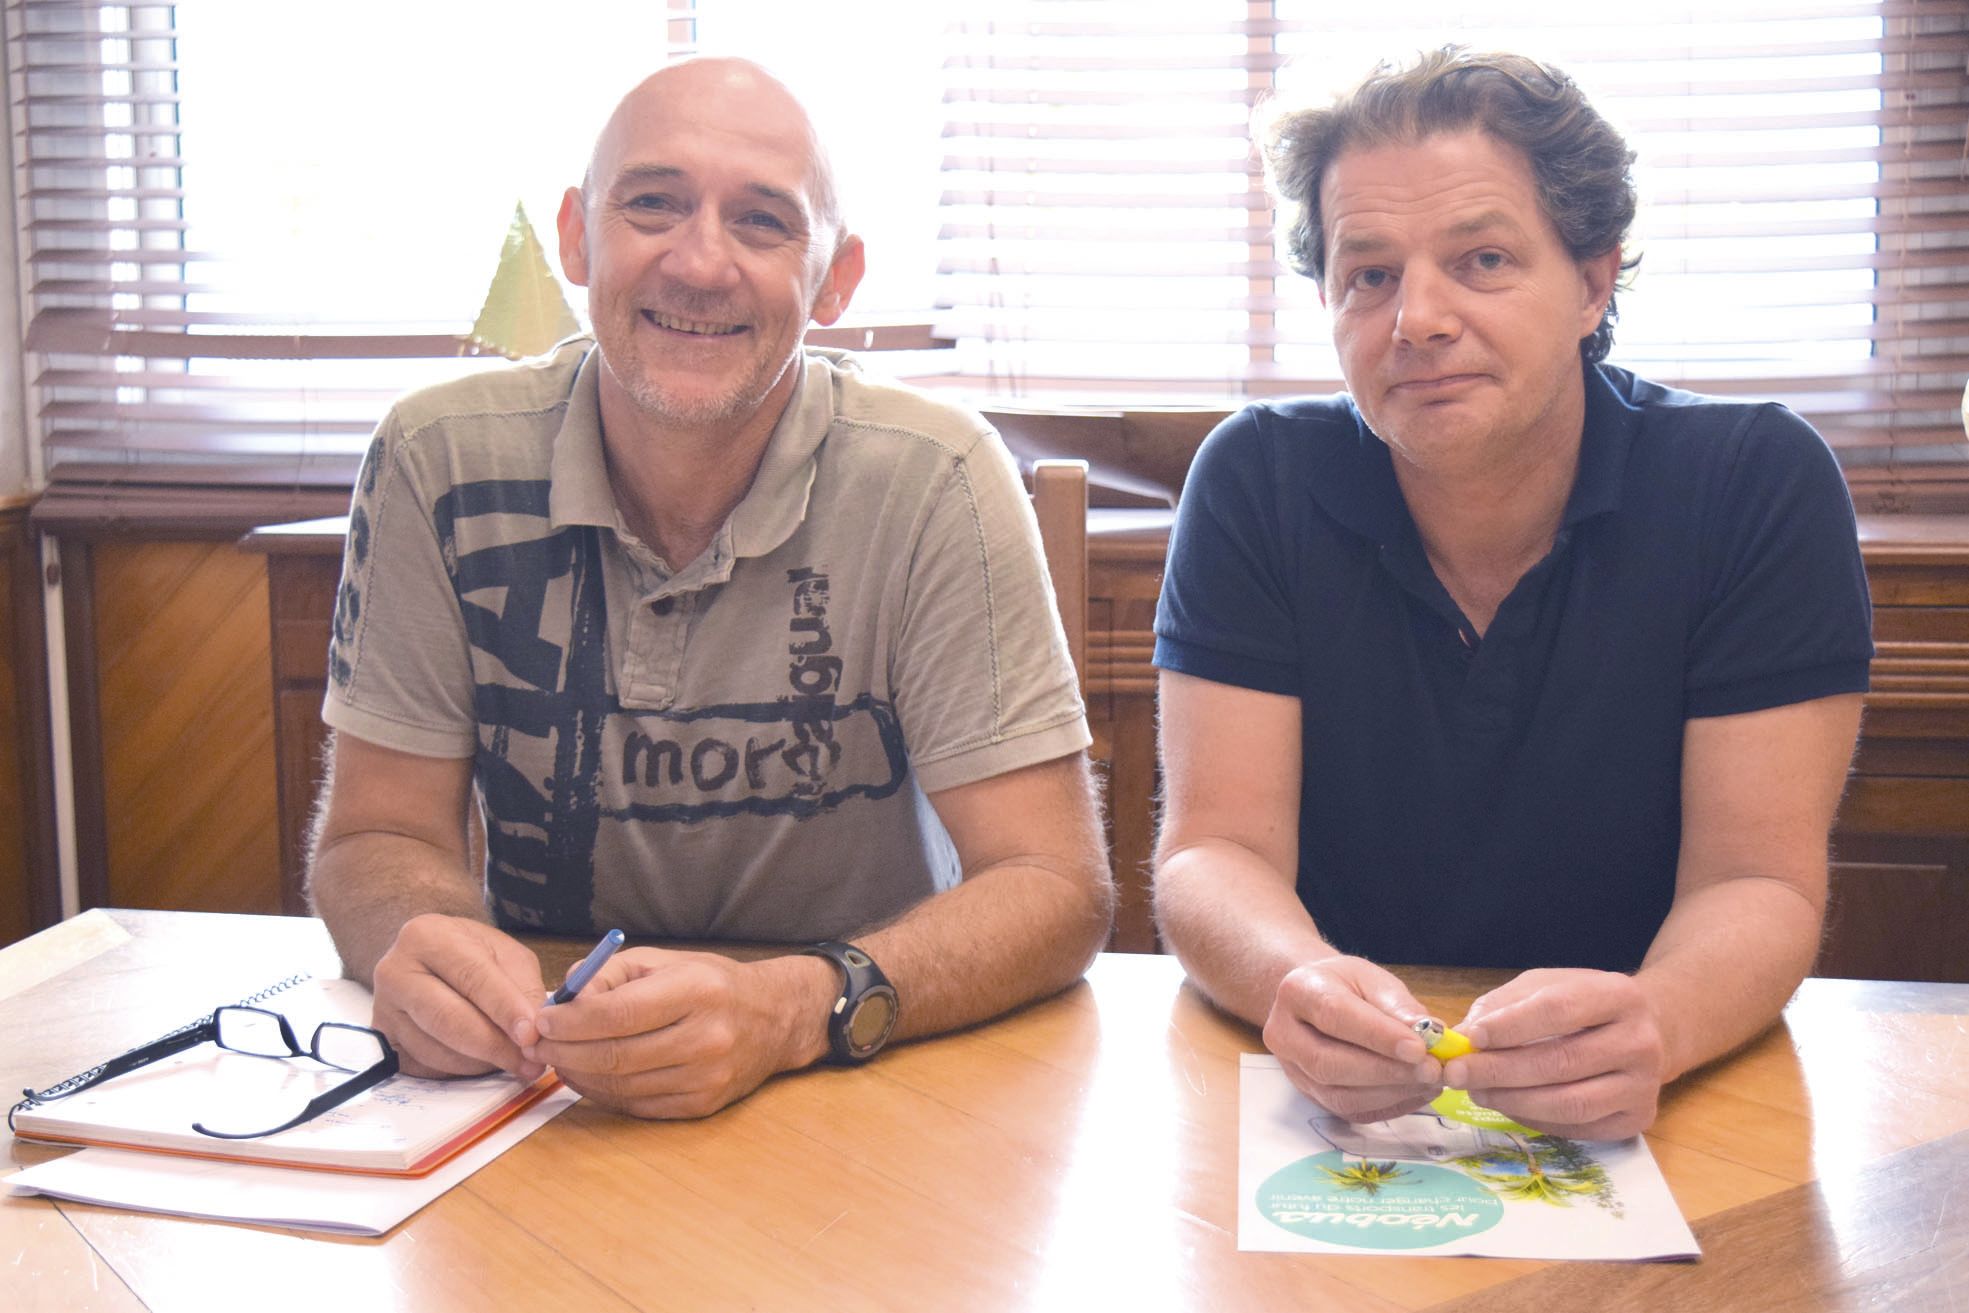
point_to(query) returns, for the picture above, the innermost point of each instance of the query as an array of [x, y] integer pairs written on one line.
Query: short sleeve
[[1226, 610], [982, 679], [1786, 615], [399, 665]]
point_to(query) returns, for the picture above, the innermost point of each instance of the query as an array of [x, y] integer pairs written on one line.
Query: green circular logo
[[1374, 1204]]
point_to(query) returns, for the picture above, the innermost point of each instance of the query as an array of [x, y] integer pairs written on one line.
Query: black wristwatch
[[866, 1012]]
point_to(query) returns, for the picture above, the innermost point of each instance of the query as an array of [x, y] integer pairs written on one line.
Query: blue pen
[[578, 979]]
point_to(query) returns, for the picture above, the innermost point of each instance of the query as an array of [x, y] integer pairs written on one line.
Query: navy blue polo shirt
[[1514, 800]]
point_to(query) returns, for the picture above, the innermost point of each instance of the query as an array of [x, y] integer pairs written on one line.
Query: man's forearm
[[1234, 924], [365, 886], [1724, 963], [690, 1032], [1758, 797], [1034, 906], [1007, 935]]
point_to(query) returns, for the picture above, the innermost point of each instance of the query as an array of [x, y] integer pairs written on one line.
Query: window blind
[[149, 356], [1804, 224], [1102, 229]]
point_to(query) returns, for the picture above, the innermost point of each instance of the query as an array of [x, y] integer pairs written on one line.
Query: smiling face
[[1457, 312], [701, 240]]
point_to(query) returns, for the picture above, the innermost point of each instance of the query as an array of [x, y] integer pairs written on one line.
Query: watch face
[[874, 1016]]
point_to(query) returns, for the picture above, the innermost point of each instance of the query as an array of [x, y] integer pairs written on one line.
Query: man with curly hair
[[1508, 657]]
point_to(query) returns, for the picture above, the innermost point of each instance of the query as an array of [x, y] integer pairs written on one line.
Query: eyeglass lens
[[260, 1033], [267, 1034]]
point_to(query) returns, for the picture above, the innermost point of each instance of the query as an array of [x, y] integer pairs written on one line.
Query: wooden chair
[[1059, 499]]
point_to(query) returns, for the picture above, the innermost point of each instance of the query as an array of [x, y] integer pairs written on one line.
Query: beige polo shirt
[[743, 748]]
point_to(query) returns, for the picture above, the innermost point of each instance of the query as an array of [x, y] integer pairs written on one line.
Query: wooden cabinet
[[169, 725], [1125, 549], [304, 565], [1900, 874]]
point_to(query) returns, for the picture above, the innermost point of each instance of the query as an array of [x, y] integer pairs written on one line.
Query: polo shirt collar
[[1355, 484], [771, 509], [1611, 422], [776, 503], [578, 491], [1356, 476]]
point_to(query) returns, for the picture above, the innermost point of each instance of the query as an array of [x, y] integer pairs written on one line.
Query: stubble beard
[[693, 408], [689, 410]]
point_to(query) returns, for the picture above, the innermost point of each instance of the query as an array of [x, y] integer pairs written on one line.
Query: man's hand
[[457, 998], [1343, 1029], [660, 1033], [1574, 1053]]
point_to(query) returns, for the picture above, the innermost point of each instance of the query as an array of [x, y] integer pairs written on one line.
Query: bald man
[[729, 641]]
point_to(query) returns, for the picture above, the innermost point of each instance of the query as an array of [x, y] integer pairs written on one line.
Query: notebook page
[[389, 1127]]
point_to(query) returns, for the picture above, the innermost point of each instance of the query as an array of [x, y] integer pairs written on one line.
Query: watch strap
[[860, 980]]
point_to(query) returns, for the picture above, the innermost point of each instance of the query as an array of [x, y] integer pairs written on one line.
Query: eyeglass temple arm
[[341, 1094], [184, 1037]]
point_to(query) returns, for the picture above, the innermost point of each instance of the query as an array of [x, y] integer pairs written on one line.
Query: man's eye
[[651, 202], [1490, 261], [1370, 280], [760, 219]]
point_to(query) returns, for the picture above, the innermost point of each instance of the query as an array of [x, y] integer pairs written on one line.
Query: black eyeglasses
[[257, 1033]]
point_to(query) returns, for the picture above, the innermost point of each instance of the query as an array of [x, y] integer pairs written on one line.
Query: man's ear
[[1598, 274], [572, 222], [843, 276]]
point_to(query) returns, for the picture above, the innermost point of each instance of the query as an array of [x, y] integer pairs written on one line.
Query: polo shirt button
[[663, 605]]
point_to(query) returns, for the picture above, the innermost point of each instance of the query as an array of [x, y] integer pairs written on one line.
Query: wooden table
[[1080, 1154]]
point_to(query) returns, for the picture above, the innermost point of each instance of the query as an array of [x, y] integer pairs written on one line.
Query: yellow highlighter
[[1442, 1042]]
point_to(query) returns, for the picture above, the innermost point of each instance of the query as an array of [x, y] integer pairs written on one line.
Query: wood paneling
[[84, 723], [1899, 908], [170, 706], [1125, 552], [184, 701], [1059, 501], [30, 890], [301, 594], [15, 921], [1900, 874]]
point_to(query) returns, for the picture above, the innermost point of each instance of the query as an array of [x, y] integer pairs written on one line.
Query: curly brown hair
[[1579, 162]]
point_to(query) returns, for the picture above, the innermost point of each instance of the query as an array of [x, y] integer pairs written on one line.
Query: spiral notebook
[[405, 1126]]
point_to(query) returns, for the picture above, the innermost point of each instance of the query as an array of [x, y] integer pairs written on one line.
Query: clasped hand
[[656, 1033], [1343, 1030], [1571, 1052]]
